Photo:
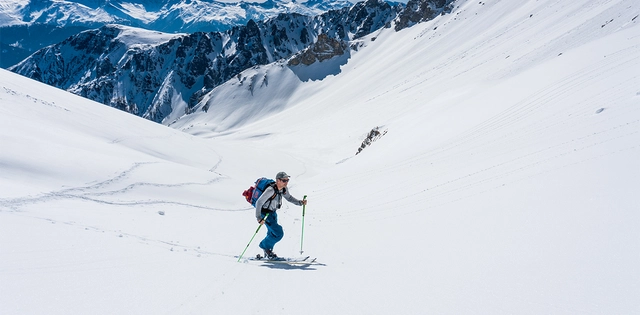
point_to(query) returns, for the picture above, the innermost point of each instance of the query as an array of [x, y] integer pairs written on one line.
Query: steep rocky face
[[371, 15], [325, 48], [173, 73], [63, 68], [418, 11]]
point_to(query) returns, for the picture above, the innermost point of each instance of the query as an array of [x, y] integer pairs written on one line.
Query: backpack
[[254, 192]]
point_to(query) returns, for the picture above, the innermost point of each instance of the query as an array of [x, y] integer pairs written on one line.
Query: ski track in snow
[[31, 98], [100, 192], [92, 193], [174, 246]]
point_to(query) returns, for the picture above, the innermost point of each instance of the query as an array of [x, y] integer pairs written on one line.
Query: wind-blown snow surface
[[506, 183]]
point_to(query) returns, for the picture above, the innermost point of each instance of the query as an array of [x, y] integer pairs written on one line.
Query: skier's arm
[[293, 200]]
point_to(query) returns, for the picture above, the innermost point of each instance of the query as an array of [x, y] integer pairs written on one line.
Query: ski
[[291, 261], [262, 258]]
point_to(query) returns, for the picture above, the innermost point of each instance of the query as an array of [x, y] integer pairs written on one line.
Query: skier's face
[[282, 182]]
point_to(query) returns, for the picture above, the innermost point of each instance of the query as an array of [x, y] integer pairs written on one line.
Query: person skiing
[[268, 205]]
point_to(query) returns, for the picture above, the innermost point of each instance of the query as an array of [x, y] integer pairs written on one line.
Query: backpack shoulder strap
[[275, 193], [275, 190]]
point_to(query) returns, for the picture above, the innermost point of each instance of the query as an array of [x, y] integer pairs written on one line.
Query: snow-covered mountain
[[168, 15], [503, 180], [30, 25], [162, 77]]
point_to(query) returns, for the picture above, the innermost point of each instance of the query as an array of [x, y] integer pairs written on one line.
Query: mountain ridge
[[32, 25], [175, 73]]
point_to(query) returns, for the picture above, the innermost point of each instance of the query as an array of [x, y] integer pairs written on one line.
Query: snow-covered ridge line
[[162, 81], [27, 26], [167, 16]]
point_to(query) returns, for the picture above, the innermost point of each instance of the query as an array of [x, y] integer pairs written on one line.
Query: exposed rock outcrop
[[372, 136], [323, 49], [418, 11]]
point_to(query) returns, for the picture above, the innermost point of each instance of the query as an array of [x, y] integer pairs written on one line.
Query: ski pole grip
[[303, 206]]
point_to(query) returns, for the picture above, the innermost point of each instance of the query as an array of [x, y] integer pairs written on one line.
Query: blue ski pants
[[274, 232]]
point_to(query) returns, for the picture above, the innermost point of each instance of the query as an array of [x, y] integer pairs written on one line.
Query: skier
[[268, 205]]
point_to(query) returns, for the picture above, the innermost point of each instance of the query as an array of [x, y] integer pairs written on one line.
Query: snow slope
[[506, 181]]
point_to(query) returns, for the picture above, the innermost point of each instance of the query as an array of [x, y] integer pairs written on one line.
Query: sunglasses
[[285, 180]]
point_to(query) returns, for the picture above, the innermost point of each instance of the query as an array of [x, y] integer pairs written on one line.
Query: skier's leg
[[274, 232]]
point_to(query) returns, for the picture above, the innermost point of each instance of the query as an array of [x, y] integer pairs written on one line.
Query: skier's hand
[[261, 221], [303, 202]]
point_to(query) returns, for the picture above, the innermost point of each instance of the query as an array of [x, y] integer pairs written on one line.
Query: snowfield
[[505, 183]]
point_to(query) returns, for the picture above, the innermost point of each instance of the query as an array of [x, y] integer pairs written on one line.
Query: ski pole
[[302, 237], [254, 235]]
